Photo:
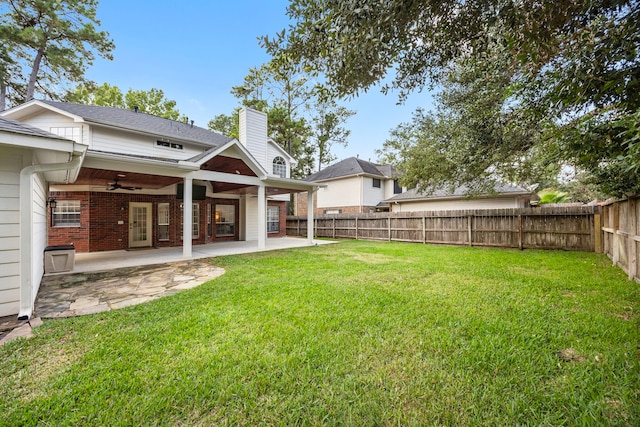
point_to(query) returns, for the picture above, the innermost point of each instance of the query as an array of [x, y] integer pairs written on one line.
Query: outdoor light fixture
[[52, 203]]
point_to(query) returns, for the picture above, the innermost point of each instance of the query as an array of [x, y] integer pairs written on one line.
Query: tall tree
[[226, 124], [327, 128], [151, 101], [575, 69], [54, 40]]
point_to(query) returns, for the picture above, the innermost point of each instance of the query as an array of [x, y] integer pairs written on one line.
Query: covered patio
[[111, 260], [103, 281]]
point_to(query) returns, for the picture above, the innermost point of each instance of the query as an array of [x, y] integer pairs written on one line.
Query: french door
[[140, 225]]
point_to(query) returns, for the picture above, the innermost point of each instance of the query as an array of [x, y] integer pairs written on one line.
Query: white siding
[[39, 233], [341, 192], [253, 135], [11, 161], [115, 141], [272, 153], [458, 204], [251, 220]]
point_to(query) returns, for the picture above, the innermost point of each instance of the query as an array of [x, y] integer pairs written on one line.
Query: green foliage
[[550, 196], [301, 120], [225, 124], [152, 101], [356, 333], [48, 43], [557, 81]]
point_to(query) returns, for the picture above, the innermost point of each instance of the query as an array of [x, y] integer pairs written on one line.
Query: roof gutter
[[27, 291]]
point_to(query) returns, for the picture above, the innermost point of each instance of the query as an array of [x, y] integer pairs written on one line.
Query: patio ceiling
[[104, 177]]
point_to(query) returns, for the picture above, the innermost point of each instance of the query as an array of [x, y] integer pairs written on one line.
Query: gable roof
[[130, 120], [12, 126], [351, 166], [460, 192]]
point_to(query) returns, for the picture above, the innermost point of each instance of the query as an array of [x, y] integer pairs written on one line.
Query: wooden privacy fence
[[621, 240], [569, 228]]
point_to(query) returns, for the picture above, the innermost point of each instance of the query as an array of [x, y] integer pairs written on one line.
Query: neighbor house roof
[[351, 166], [460, 192], [140, 122], [12, 126]]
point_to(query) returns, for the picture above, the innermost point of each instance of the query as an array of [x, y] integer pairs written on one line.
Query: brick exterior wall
[[78, 236], [101, 212], [283, 218]]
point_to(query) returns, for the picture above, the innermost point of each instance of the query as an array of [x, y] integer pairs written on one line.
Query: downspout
[[26, 222]]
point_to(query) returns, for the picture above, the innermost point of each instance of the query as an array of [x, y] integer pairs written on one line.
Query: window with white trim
[[225, 220], [66, 213], [280, 167], [163, 221], [195, 224], [273, 219], [72, 133]]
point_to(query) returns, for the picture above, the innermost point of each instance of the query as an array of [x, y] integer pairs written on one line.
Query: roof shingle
[[142, 122], [349, 167]]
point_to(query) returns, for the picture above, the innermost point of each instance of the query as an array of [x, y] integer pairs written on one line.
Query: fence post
[[333, 232], [520, 231], [470, 229], [632, 256], [597, 230], [424, 230], [389, 226], [356, 228], [298, 227], [615, 238]]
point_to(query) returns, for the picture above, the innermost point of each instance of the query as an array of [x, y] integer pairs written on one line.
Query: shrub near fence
[[568, 228]]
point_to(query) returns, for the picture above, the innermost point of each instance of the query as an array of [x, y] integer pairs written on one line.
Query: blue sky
[[195, 51]]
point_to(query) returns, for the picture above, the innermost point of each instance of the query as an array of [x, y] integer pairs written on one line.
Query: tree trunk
[[34, 74], [3, 97]]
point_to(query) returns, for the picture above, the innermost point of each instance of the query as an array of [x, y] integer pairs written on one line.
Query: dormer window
[[280, 167], [168, 144]]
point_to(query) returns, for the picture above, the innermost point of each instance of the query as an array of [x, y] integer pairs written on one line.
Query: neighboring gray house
[[353, 186], [504, 196]]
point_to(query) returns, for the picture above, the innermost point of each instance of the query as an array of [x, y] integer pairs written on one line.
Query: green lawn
[[357, 333]]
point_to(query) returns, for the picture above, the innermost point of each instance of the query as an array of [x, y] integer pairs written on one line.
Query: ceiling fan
[[117, 186]]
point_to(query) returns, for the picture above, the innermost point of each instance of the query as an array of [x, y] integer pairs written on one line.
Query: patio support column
[[262, 217], [187, 217], [310, 217]]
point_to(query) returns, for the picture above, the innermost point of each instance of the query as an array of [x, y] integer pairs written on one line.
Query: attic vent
[[168, 144]]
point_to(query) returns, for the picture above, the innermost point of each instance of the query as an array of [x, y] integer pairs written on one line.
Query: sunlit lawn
[[357, 333]]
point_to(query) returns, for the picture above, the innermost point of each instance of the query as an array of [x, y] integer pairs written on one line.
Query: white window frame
[[72, 133], [195, 224], [164, 218], [66, 214], [273, 212], [223, 220], [279, 167]]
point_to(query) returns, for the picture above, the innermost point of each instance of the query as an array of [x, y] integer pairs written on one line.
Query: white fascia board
[[206, 175], [32, 106], [292, 184], [279, 148], [130, 164], [41, 143]]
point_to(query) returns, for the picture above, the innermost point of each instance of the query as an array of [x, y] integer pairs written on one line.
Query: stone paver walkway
[[78, 294]]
